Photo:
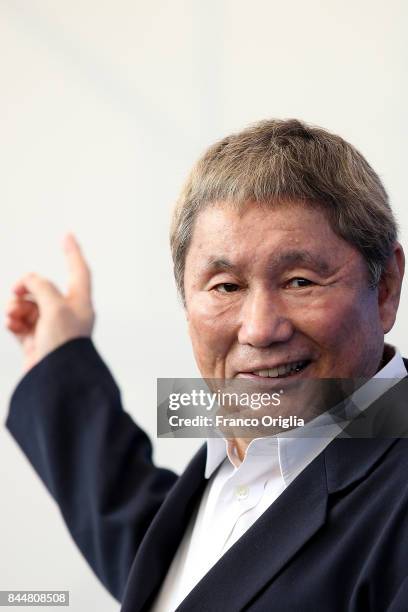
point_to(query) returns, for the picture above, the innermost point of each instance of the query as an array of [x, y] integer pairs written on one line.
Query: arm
[[66, 415], [399, 603]]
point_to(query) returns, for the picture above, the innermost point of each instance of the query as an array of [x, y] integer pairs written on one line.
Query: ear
[[389, 288]]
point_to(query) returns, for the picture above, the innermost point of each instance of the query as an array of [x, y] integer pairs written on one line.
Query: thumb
[[41, 290], [79, 275]]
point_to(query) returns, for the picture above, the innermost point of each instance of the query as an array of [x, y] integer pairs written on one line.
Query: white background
[[104, 107]]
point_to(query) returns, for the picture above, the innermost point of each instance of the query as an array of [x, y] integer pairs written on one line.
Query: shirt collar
[[294, 450]]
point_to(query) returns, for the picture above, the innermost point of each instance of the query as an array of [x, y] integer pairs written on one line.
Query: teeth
[[281, 370]]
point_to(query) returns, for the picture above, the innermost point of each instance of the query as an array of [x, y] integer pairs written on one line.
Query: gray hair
[[278, 161]]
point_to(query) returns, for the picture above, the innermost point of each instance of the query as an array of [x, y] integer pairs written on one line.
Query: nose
[[264, 320]]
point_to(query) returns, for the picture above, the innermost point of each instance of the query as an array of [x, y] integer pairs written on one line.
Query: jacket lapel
[[266, 547], [351, 456], [164, 535], [256, 558], [300, 511]]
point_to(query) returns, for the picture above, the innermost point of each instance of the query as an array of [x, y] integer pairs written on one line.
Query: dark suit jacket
[[335, 540]]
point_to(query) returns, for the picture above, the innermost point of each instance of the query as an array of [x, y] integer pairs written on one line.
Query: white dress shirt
[[238, 492]]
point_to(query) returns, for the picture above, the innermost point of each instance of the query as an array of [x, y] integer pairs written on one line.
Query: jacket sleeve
[[399, 603], [66, 415]]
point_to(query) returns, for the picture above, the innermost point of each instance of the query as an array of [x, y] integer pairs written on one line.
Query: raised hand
[[42, 318]]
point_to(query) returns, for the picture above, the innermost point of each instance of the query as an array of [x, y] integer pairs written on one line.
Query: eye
[[226, 287], [299, 283]]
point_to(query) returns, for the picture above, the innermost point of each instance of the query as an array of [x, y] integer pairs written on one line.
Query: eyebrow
[[294, 257]]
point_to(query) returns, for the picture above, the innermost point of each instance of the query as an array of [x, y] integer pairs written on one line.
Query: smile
[[287, 369]]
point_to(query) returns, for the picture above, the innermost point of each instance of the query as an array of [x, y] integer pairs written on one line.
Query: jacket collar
[[270, 543], [257, 557], [367, 438], [279, 532]]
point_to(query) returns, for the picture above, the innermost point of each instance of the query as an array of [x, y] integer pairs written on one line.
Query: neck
[[240, 445]]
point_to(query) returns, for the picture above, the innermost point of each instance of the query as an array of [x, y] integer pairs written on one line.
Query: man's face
[[275, 292]]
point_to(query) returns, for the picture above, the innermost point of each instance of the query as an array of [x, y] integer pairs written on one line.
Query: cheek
[[340, 321], [211, 330]]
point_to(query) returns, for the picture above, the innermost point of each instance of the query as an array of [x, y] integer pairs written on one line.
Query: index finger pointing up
[[79, 275]]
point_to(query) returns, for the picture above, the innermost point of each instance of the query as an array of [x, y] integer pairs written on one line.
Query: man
[[286, 257]]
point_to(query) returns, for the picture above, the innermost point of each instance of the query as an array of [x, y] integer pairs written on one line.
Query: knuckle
[[58, 310]]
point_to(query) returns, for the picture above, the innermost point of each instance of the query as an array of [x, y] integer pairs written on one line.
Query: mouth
[[284, 370]]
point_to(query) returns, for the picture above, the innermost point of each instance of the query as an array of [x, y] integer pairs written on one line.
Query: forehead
[[254, 231]]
